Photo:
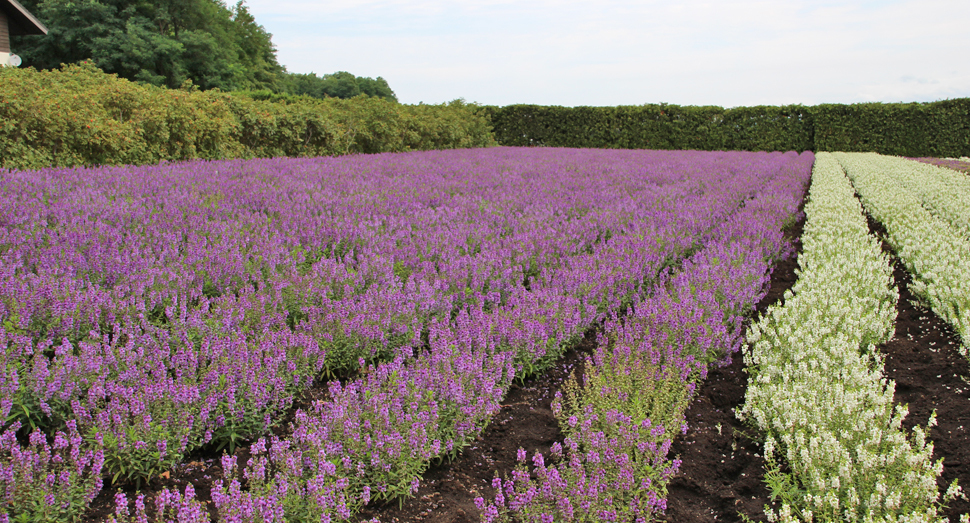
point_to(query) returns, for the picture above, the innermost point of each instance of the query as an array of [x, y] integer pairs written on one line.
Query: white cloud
[[624, 52]]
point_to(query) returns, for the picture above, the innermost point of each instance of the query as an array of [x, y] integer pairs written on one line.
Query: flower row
[[942, 191], [933, 250], [620, 419], [834, 447], [170, 308]]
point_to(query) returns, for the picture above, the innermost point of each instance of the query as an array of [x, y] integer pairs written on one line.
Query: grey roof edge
[[25, 17]]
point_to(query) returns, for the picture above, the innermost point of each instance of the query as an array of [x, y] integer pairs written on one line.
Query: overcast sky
[[691, 52]]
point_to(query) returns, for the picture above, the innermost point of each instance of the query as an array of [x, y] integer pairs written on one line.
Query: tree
[[376, 87], [340, 85], [258, 54], [166, 42], [161, 42], [72, 31], [337, 85]]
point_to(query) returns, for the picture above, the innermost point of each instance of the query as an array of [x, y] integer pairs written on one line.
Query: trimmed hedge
[[939, 129], [914, 129], [79, 115]]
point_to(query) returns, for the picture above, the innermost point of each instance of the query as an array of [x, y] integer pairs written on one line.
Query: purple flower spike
[[160, 309]]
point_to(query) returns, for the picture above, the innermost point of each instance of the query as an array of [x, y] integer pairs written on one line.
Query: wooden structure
[[16, 20]]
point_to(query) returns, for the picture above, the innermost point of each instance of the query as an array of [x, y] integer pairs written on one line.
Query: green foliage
[[240, 428], [78, 115], [267, 129], [163, 43], [628, 384], [653, 126], [939, 129], [166, 42], [28, 410], [51, 479], [337, 85], [917, 129], [140, 448], [769, 128], [81, 116], [363, 124]]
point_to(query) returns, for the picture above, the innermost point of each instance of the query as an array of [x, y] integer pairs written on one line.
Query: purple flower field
[[956, 165], [147, 313]]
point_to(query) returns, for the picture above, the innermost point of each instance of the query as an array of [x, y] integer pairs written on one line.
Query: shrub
[[79, 115]]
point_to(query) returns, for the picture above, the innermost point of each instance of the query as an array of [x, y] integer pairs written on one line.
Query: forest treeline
[[168, 42]]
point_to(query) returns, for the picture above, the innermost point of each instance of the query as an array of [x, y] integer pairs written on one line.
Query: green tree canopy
[[337, 85], [161, 42], [166, 42]]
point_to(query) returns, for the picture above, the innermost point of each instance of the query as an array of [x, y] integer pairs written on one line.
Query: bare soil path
[[722, 474], [930, 374]]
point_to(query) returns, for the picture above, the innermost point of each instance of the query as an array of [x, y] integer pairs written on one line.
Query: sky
[[689, 52]]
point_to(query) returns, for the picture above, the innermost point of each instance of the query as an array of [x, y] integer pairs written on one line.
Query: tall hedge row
[[939, 129], [79, 115], [915, 129]]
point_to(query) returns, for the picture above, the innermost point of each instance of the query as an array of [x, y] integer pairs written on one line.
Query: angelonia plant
[[169, 506], [181, 307], [611, 466], [49, 479], [619, 421], [835, 448], [924, 211]]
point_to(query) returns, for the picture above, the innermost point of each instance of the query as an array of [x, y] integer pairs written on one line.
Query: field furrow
[[934, 252], [158, 313], [816, 385]]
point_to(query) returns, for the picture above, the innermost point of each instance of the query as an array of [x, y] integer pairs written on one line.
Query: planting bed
[[496, 335], [956, 164], [340, 325], [722, 475], [931, 375]]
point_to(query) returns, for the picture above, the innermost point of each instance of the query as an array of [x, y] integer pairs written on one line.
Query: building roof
[[20, 20]]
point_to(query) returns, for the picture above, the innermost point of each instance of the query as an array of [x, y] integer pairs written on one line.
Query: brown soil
[[930, 375], [722, 474], [722, 468], [448, 491], [199, 471]]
